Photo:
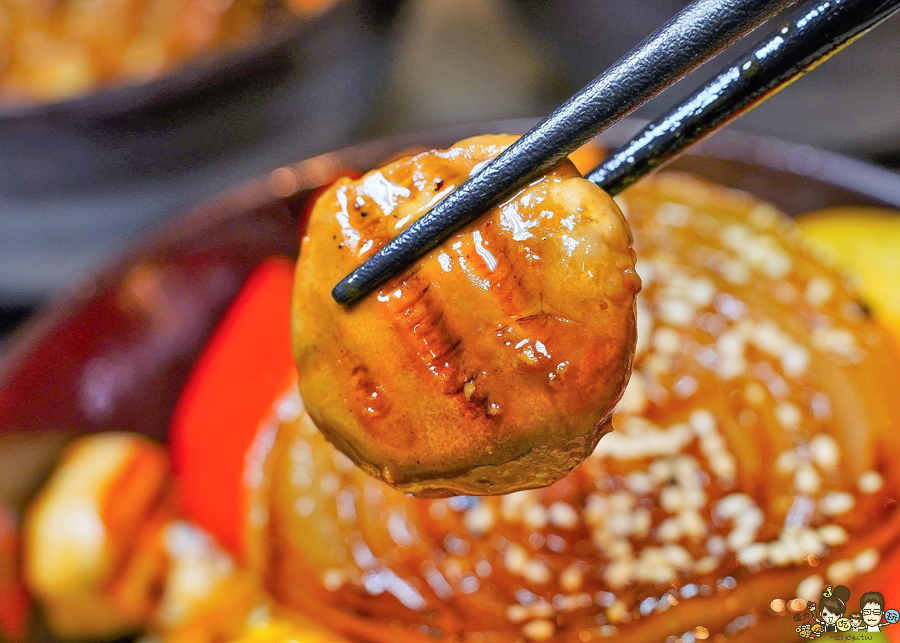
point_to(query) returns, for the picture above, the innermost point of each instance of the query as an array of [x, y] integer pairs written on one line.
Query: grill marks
[[432, 343], [418, 316], [520, 305], [370, 397]]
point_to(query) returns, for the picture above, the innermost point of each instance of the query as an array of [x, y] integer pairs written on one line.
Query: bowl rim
[[194, 74]]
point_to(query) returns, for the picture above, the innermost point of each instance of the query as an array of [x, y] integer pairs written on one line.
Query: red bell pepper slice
[[246, 366], [13, 597]]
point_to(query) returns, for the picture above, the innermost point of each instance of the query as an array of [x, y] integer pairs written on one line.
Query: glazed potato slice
[[492, 364]]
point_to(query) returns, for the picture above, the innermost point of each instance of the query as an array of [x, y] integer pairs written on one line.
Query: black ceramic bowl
[[81, 177], [89, 362]]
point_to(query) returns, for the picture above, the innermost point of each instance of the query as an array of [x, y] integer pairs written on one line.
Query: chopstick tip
[[345, 292]]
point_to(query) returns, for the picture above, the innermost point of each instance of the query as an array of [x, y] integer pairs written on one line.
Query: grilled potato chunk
[[494, 363]]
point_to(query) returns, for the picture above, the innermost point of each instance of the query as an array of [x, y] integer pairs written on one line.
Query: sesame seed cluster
[[748, 468]]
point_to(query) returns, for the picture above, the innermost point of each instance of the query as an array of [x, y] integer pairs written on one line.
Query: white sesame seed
[[732, 363], [514, 559], [824, 450], [733, 504], [838, 343], [480, 519], [835, 503], [634, 399], [641, 522], [542, 609], [794, 360], [735, 235], [700, 292], [706, 564], [517, 613], [810, 588], [809, 541], [692, 524], [669, 530], [536, 572], [866, 560], [329, 484], [571, 578], [752, 554], [791, 545], [715, 545], [539, 630], [644, 320], [768, 338], [639, 482], [833, 535], [619, 573], [870, 481], [333, 580], [685, 386], [763, 216], [616, 611], [621, 501], [818, 291], [535, 516], [673, 214], [778, 554], [755, 393], [678, 556], [666, 340], [702, 422], [619, 524], [604, 599], [513, 504], [740, 538], [841, 571], [786, 293], [777, 265], [653, 566], [820, 405], [735, 272], [595, 508], [676, 312], [671, 499], [786, 461], [563, 515], [694, 496], [788, 415]]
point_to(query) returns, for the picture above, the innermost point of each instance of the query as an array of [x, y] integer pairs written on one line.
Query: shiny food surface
[[495, 362], [750, 467]]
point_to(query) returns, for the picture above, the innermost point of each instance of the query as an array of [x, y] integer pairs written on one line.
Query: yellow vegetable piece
[[866, 242], [294, 629]]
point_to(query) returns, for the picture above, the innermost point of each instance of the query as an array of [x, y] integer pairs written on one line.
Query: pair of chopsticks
[[814, 32]]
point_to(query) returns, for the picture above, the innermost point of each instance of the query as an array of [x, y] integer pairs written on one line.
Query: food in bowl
[[55, 50], [749, 469]]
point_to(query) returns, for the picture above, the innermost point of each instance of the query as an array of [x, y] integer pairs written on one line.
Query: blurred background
[[116, 114]]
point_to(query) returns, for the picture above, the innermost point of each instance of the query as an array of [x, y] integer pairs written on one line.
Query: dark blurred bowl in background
[[80, 176]]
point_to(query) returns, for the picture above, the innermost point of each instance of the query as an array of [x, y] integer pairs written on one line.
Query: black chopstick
[[698, 32], [816, 31]]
